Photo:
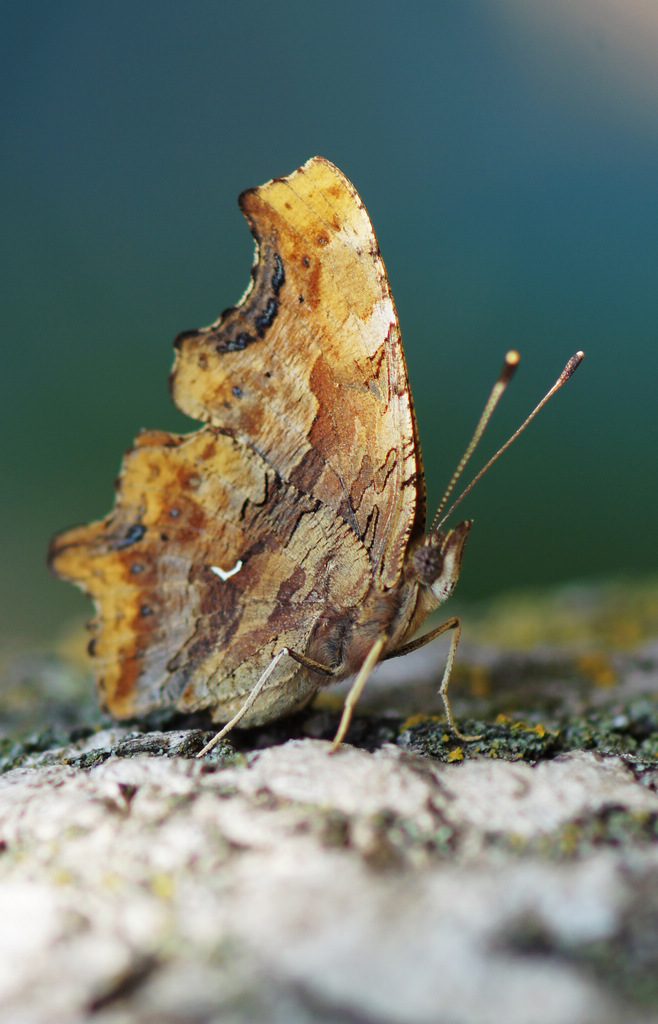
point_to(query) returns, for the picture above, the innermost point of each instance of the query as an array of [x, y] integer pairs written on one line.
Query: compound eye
[[427, 562]]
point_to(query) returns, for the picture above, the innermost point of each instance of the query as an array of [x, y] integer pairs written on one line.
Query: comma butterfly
[[283, 545]]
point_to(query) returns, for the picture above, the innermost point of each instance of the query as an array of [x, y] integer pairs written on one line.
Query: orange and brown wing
[[308, 369], [172, 632]]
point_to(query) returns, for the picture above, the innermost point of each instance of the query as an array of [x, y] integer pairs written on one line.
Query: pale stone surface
[[303, 887], [516, 797]]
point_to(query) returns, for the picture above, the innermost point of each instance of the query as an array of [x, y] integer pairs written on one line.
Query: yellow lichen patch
[[456, 755], [418, 719], [112, 881], [162, 885], [62, 877], [539, 730], [514, 725], [517, 842], [570, 839], [596, 666]]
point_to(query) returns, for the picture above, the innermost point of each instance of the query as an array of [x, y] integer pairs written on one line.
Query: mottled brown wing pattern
[[308, 369], [169, 630], [297, 499]]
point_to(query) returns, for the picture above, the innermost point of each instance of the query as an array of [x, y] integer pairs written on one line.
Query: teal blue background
[[509, 162]]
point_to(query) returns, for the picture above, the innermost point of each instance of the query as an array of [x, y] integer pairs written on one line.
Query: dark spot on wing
[[279, 276], [133, 534], [243, 325], [267, 317]]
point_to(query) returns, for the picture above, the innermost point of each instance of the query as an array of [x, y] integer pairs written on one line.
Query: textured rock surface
[[299, 887]]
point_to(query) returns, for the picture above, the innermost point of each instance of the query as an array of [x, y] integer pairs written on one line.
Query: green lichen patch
[[615, 827], [14, 752], [629, 729], [86, 747], [506, 739], [620, 728], [386, 840]]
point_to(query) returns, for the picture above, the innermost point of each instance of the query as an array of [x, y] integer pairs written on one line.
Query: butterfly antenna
[[512, 360], [567, 372]]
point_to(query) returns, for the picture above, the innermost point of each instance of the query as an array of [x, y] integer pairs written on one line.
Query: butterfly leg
[[253, 695], [258, 688], [357, 688], [315, 666], [455, 625]]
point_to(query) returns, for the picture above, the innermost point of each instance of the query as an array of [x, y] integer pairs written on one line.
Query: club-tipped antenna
[[567, 372], [512, 360]]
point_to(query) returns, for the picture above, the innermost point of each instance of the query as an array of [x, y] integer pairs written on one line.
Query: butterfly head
[[436, 562]]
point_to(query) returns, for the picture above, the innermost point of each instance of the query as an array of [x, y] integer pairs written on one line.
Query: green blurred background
[[507, 152]]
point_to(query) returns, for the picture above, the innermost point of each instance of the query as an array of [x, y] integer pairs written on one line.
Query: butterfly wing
[[306, 482], [309, 368], [170, 630]]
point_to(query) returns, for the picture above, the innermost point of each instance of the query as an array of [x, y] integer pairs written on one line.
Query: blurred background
[[507, 152]]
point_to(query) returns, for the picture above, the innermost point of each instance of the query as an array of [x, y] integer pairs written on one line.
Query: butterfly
[[283, 545]]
